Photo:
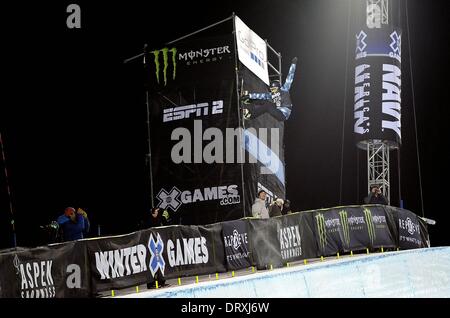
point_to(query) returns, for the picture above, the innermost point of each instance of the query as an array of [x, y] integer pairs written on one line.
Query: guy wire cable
[[414, 110], [11, 210], [345, 103]]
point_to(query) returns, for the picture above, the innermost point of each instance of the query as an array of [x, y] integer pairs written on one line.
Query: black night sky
[[73, 118]]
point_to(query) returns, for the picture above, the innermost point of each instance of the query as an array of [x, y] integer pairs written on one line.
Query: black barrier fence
[[85, 267]]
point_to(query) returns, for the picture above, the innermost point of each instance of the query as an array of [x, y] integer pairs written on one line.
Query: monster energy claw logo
[[165, 53], [370, 225], [345, 227], [320, 220]]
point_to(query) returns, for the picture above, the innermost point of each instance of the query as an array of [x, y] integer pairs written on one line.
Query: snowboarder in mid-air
[[277, 103]]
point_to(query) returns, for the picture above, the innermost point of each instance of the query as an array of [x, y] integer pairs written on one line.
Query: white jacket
[[259, 209]]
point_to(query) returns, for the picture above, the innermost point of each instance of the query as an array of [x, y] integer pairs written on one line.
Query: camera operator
[[73, 224], [375, 196]]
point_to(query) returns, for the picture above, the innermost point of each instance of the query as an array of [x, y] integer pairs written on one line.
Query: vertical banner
[[377, 99], [194, 140], [236, 241], [56, 271], [252, 50], [295, 236]]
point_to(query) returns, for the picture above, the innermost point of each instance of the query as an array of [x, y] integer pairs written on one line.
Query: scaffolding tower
[[378, 167]]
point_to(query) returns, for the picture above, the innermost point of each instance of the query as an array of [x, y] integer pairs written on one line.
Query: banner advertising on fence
[[45, 272], [380, 226], [86, 267], [264, 242], [252, 50], [352, 228], [118, 262], [355, 229], [189, 250], [134, 259], [328, 228], [236, 240], [409, 228], [296, 239]]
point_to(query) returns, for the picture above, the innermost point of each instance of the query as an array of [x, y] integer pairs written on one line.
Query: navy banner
[[378, 54]]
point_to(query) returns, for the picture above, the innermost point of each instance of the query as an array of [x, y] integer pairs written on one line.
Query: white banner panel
[[252, 50]]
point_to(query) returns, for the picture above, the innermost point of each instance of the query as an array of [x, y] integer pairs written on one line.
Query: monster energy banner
[[194, 115], [191, 60], [412, 232], [45, 272], [357, 229], [328, 226], [134, 259], [380, 226], [236, 239], [353, 228]]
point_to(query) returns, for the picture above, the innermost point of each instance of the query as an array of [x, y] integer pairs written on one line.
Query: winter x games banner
[[134, 259]]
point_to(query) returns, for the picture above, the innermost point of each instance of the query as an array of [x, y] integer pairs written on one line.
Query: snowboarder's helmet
[[275, 83]]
